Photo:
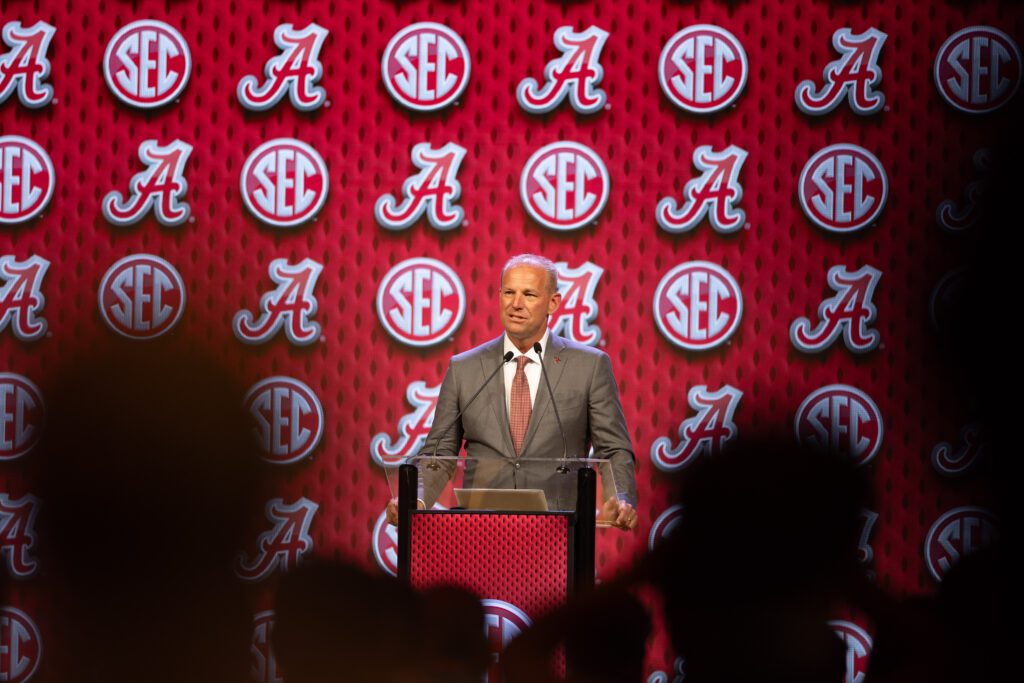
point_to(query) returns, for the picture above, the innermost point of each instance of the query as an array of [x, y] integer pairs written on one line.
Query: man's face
[[526, 303]]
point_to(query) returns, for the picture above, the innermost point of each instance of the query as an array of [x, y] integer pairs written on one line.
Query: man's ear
[[554, 302]]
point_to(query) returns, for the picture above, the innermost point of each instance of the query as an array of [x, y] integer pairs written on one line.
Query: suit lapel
[[496, 391], [554, 368]]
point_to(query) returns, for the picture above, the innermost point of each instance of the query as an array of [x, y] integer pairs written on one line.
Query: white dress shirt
[[532, 370]]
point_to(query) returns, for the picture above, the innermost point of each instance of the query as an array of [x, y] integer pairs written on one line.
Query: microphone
[[433, 464], [563, 468]]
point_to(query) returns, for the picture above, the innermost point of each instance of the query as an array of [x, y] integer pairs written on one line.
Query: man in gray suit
[[511, 423]]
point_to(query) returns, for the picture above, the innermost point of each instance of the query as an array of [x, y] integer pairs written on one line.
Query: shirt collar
[[531, 354]]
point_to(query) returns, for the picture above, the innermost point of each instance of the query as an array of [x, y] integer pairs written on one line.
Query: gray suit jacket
[[588, 403]]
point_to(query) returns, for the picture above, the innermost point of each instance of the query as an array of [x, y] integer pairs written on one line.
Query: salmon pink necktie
[[519, 404]]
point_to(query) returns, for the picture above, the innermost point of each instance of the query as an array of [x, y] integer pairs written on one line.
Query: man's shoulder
[[492, 346], [569, 346]]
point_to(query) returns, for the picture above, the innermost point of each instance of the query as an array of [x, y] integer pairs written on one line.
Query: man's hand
[[619, 514], [392, 510]]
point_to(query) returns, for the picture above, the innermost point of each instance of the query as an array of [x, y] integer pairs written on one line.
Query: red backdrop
[[779, 259]]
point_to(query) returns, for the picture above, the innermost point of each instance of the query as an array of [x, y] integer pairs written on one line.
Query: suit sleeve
[[434, 481], [608, 432]]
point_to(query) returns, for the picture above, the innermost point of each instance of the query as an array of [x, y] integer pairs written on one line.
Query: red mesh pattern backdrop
[[360, 373], [520, 559]]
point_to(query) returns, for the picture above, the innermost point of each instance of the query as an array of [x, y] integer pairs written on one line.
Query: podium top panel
[[555, 478]]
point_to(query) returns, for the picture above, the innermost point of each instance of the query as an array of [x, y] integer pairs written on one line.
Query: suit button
[[517, 465]]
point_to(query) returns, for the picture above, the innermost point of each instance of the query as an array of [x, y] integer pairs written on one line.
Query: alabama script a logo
[[412, 428], [706, 433], [849, 313], [432, 191], [17, 534], [21, 300], [954, 460], [295, 71], [865, 553], [714, 194], [854, 76], [287, 307], [160, 187], [957, 218], [283, 546], [25, 66], [574, 318], [575, 74], [677, 674]]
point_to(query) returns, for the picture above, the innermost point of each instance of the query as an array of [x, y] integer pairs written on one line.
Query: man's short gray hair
[[545, 264]]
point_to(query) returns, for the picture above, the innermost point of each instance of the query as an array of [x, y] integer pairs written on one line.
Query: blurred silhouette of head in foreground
[[765, 549], [147, 478]]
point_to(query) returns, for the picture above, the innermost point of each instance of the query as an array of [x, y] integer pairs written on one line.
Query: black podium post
[[408, 480], [585, 542]]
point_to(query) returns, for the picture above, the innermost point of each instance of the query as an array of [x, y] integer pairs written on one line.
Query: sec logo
[[385, 542], [959, 532], [843, 188], [698, 305], [858, 649], [421, 302], [842, 420], [284, 182], [564, 186], [147, 64], [425, 66], [262, 659], [977, 69], [503, 622], [703, 69], [27, 179], [664, 525], [21, 647], [142, 296], [289, 418], [22, 414]]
